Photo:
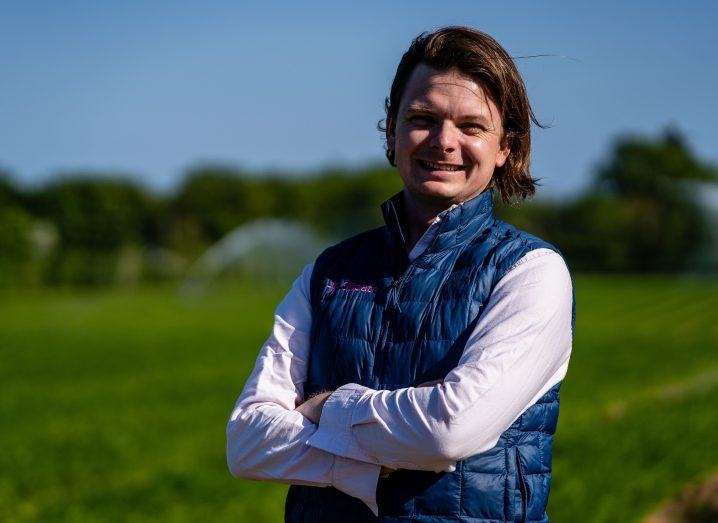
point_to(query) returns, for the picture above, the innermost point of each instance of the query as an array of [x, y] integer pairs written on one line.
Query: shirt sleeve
[[517, 351], [266, 437]]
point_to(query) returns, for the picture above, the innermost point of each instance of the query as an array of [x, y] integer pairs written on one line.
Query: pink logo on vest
[[349, 286]]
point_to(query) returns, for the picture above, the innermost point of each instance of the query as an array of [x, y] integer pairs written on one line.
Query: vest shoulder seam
[[538, 252]]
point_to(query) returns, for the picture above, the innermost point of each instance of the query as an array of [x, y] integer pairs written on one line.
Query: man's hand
[[385, 471], [312, 408]]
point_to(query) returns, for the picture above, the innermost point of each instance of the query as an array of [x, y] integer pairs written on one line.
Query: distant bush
[[15, 246], [642, 213]]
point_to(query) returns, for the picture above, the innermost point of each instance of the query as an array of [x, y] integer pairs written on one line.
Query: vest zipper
[[394, 294], [522, 486], [398, 285], [392, 302], [385, 321]]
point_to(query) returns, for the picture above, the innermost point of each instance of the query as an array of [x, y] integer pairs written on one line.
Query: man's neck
[[419, 216]]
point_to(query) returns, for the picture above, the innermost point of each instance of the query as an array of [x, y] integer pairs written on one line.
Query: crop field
[[113, 404]]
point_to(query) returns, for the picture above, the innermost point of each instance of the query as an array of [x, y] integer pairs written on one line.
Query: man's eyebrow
[[478, 117], [420, 107], [417, 107]]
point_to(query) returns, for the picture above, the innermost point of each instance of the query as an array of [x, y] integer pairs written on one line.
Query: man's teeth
[[440, 167]]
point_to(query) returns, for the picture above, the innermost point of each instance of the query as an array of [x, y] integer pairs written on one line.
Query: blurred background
[[167, 169]]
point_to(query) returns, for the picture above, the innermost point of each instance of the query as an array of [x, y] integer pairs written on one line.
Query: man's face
[[447, 139]]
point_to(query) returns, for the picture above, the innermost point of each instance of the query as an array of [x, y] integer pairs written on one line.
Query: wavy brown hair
[[480, 57]]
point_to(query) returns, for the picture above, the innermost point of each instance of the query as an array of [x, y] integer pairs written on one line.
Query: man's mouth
[[438, 166]]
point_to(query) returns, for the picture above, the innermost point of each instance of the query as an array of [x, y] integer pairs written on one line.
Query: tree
[[95, 217], [643, 212]]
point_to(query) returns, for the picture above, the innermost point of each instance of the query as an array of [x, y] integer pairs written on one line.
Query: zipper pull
[[394, 294]]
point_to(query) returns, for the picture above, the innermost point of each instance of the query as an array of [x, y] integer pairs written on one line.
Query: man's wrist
[[312, 407], [334, 434]]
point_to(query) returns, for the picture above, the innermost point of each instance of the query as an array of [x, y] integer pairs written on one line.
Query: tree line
[[643, 212]]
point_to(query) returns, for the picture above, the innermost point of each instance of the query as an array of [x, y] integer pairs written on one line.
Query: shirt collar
[[456, 225]]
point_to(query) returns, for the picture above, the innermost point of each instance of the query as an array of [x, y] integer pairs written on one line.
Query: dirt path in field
[[698, 503]]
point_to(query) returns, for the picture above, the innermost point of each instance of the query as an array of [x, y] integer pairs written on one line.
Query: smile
[[440, 166]]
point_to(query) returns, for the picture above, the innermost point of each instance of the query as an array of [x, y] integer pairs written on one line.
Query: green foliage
[[219, 200], [92, 212], [632, 234], [15, 247], [114, 403], [646, 207], [344, 203], [654, 169], [85, 267], [213, 201], [95, 218], [641, 214], [10, 196]]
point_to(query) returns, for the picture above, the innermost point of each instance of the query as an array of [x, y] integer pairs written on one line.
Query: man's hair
[[480, 57]]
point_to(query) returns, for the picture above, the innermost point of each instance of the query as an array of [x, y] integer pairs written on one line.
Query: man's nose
[[444, 138]]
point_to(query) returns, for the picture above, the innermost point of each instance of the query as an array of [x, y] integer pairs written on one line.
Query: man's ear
[[390, 133], [503, 153]]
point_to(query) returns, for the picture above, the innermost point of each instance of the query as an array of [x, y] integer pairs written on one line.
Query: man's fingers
[[385, 471]]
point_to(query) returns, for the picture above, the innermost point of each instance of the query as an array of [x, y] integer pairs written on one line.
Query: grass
[[114, 403]]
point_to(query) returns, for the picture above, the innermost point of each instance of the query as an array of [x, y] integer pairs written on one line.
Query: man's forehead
[[426, 81]]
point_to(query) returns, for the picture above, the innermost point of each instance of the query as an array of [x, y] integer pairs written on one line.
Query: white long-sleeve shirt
[[519, 349]]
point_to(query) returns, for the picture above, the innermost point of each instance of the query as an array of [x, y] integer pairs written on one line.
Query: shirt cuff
[[334, 434], [358, 480]]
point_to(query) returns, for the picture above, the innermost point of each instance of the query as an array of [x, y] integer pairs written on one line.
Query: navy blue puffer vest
[[385, 323]]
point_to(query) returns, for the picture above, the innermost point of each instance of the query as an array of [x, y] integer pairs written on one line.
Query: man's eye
[[473, 127], [420, 119]]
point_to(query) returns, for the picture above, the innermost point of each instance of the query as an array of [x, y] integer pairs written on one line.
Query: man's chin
[[436, 192]]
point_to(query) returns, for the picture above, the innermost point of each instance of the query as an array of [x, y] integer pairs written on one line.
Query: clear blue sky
[[151, 88]]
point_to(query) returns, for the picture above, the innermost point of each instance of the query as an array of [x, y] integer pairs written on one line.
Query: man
[[413, 370]]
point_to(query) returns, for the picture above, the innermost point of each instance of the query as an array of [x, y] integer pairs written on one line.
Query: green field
[[113, 404]]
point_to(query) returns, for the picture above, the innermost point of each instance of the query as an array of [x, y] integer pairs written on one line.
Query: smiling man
[[447, 141], [413, 370]]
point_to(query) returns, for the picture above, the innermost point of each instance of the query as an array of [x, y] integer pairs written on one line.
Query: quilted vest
[[385, 323]]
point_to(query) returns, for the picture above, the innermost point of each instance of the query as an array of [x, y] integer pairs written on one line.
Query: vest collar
[[457, 226]]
